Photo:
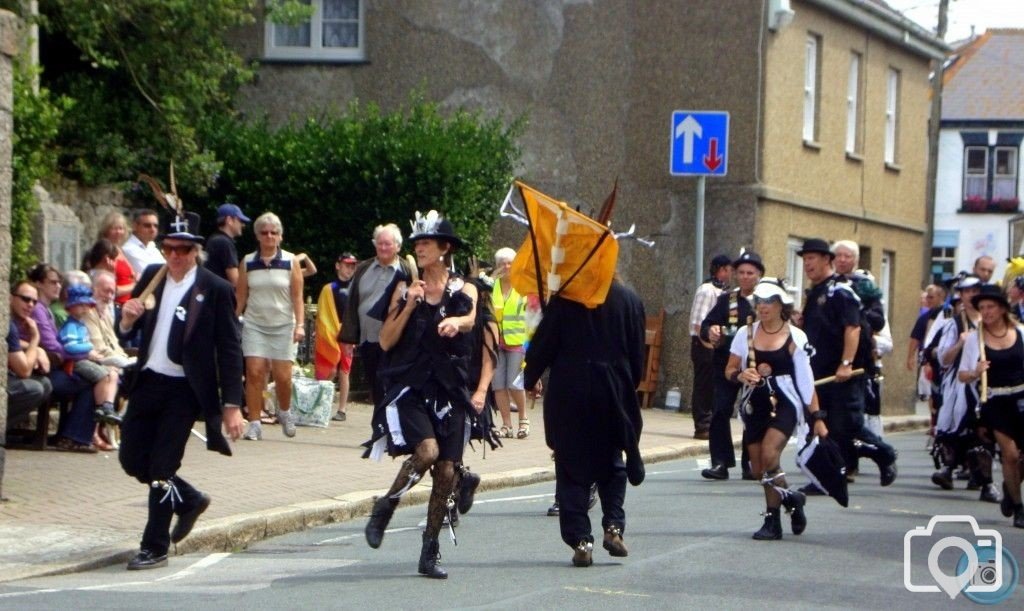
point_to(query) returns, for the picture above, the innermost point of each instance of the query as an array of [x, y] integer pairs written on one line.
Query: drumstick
[[830, 379], [981, 357], [146, 296]]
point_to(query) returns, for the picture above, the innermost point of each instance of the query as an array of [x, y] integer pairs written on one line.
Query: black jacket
[[206, 343], [596, 357]]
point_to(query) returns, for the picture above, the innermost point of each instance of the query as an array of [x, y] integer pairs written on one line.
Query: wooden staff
[[146, 296], [751, 358], [830, 379], [981, 357], [414, 272]]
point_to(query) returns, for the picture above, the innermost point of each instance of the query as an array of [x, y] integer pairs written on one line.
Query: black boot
[[794, 503], [383, 509], [943, 478], [716, 472], [467, 489], [430, 556], [1018, 516], [772, 528], [1006, 504], [990, 494]]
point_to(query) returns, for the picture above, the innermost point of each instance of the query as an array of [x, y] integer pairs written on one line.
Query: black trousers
[[720, 433], [844, 404], [702, 397], [161, 412], [574, 496], [371, 354]]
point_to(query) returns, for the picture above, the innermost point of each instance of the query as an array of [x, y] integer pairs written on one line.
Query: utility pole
[[934, 124]]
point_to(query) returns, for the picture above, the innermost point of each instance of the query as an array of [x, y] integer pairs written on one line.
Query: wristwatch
[[846, 362]]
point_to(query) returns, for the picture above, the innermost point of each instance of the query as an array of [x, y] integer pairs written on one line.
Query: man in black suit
[[189, 363]]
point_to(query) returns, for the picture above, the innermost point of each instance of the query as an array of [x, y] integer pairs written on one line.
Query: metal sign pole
[[699, 229]]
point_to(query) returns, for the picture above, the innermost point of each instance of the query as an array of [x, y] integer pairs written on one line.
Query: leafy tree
[[37, 117], [332, 181], [143, 73]]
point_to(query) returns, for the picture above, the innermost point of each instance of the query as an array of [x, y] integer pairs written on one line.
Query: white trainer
[[254, 432], [287, 421]]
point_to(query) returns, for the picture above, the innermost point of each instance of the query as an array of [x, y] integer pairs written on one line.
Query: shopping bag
[[312, 401]]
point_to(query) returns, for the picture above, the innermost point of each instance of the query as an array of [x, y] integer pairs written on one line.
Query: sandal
[[505, 432], [66, 445], [524, 428]]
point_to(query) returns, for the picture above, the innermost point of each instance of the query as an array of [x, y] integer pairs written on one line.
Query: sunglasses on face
[[760, 300], [27, 299], [178, 249], [269, 232], [148, 225]]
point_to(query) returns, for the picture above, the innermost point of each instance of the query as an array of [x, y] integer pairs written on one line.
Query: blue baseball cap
[[227, 210]]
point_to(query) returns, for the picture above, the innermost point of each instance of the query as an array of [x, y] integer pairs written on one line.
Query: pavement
[[67, 512]]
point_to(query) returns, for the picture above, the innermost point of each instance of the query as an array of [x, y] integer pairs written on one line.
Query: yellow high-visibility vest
[[511, 315]]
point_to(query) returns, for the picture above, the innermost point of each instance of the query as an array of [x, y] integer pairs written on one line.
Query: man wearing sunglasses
[[140, 248], [190, 362], [27, 364]]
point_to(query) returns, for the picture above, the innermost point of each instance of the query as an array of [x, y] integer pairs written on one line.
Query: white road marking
[[605, 591], [29, 593], [357, 535], [210, 560]]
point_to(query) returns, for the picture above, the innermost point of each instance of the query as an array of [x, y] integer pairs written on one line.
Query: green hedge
[[332, 181]]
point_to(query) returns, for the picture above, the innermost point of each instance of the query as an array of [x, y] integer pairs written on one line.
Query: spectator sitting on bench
[[75, 430], [100, 322], [83, 359], [27, 385]]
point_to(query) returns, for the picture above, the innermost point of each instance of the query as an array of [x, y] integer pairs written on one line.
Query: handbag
[[312, 401]]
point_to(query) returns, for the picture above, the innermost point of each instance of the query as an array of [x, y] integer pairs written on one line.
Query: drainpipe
[[934, 125]]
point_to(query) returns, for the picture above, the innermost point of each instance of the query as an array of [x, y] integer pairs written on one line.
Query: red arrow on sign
[[712, 160]]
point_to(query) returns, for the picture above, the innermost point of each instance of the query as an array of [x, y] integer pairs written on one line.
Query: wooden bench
[[652, 358]]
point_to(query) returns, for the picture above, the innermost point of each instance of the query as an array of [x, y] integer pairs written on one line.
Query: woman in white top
[[770, 357], [270, 301]]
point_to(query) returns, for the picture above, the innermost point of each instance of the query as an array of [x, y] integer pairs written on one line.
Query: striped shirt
[[269, 304]]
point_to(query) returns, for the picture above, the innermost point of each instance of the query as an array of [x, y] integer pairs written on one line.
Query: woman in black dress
[[427, 344], [1002, 363], [771, 358]]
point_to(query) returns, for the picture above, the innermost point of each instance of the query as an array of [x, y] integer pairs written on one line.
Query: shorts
[[416, 421], [275, 344], [757, 423], [1006, 415], [91, 371], [508, 371], [345, 364]]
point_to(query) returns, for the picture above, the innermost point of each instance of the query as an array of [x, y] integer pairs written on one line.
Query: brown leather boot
[[613, 542]]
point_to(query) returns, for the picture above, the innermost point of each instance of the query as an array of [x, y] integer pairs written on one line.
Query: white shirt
[[174, 292], [141, 256]]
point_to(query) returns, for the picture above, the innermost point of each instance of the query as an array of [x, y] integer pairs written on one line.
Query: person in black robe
[[591, 411]]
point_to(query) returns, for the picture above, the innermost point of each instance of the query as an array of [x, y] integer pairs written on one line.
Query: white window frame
[[852, 102], [795, 271], [1010, 177], [885, 276], [316, 51], [892, 115], [972, 178], [810, 121]]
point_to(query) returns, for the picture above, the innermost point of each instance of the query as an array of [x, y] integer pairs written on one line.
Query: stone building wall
[[9, 34]]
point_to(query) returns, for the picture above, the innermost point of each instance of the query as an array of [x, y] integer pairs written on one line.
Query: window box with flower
[[1007, 204], [975, 203]]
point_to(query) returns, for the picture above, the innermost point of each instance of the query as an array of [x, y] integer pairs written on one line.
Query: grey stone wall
[[9, 34]]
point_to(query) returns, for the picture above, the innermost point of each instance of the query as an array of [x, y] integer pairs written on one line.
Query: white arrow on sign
[[688, 127]]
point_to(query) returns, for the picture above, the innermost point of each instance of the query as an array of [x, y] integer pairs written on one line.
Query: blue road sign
[[700, 142]]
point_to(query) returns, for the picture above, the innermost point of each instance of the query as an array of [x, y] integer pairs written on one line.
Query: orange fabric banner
[[565, 239]]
